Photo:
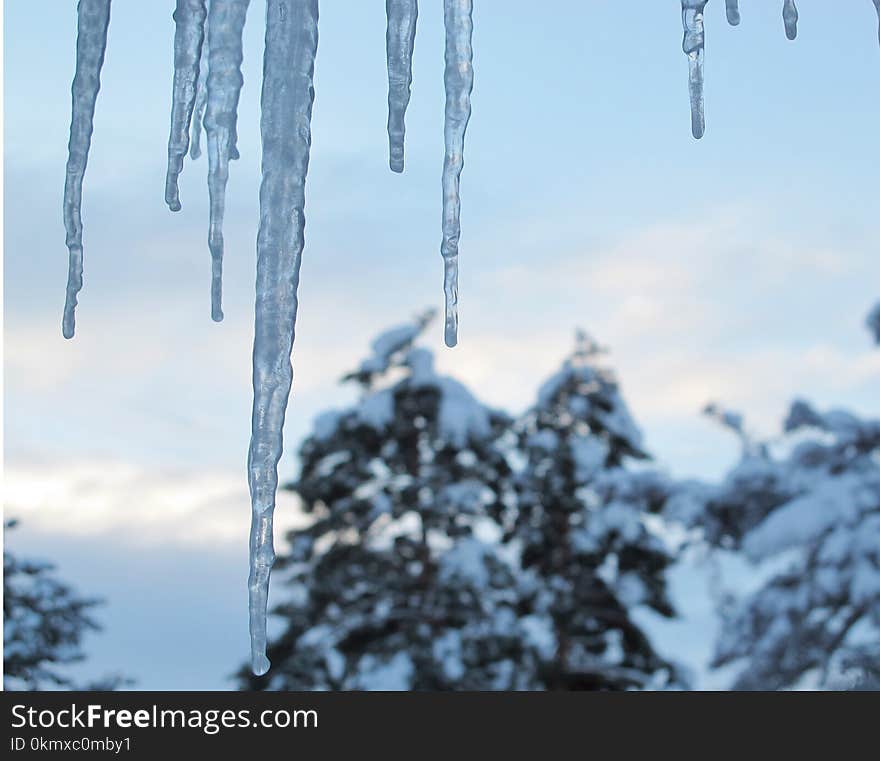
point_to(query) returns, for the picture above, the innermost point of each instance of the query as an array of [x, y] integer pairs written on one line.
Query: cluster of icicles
[[206, 88]]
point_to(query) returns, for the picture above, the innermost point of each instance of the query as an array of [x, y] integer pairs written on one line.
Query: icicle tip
[[260, 664]]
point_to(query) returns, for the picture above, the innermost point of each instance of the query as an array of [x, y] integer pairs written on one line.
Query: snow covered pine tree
[[589, 552], [455, 548], [813, 508], [399, 582]]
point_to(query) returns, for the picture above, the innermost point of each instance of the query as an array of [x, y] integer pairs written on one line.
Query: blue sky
[[738, 268]]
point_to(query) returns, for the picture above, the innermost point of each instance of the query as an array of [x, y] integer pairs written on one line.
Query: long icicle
[[189, 34], [790, 18], [399, 41], [93, 17], [733, 17], [195, 148], [694, 45], [225, 28], [458, 79], [288, 93]]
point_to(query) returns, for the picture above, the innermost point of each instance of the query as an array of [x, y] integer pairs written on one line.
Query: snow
[[458, 79], [394, 674], [377, 410], [461, 415], [389, 343], [399, 41], [326, 423], [466, 561], [589, 454], [538, 632], [288, 93], [93, 17], [447, 649]]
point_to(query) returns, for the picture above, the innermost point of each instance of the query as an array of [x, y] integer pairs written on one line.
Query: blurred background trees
[[44, 622], [455, 546]]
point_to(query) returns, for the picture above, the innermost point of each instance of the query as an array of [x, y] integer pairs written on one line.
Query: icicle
[[195, 149], [189, 33], [93, 16], [733, 12], [693, 45], [790, 17], [877, 5], [459, 81], [399, 40], [288, 68], [225, 27]]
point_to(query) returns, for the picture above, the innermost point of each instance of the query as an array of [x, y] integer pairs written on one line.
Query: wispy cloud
[[136, 505]]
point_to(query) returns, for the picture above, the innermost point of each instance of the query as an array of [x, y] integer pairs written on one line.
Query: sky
[[738, 269]]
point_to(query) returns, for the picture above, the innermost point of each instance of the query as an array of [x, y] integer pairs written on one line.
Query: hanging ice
[[208, 80], [790, 17], [877, 6], [458, 79], [189, 19], [693, 45], [93, 16], [733, 12], [195, 149], [288, 68], [399, 40], [225, 28]]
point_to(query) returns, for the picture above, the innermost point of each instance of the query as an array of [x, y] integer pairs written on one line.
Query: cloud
[[135, 504], [727, 307]]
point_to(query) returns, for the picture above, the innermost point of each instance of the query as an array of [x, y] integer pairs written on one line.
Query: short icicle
[[399, 41], [288, 93], [458, 79], [189, 34], [93, 17], [225, 28], [877, 6], [694, 45], [733, 17], [790, 18], [195, 147]]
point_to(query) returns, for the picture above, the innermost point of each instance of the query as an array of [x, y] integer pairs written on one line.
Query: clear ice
[[195, 147], [790, 17], [694, 45], [189, 33], [225, 28], [288, 93], [206, 89], [458, 79], [877, 6], [93, 16], [733, 12], [399, 40]]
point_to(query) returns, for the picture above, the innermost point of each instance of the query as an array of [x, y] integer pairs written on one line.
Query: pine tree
[[589, 553], [809, 505], [399, 582], [44, 622]]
